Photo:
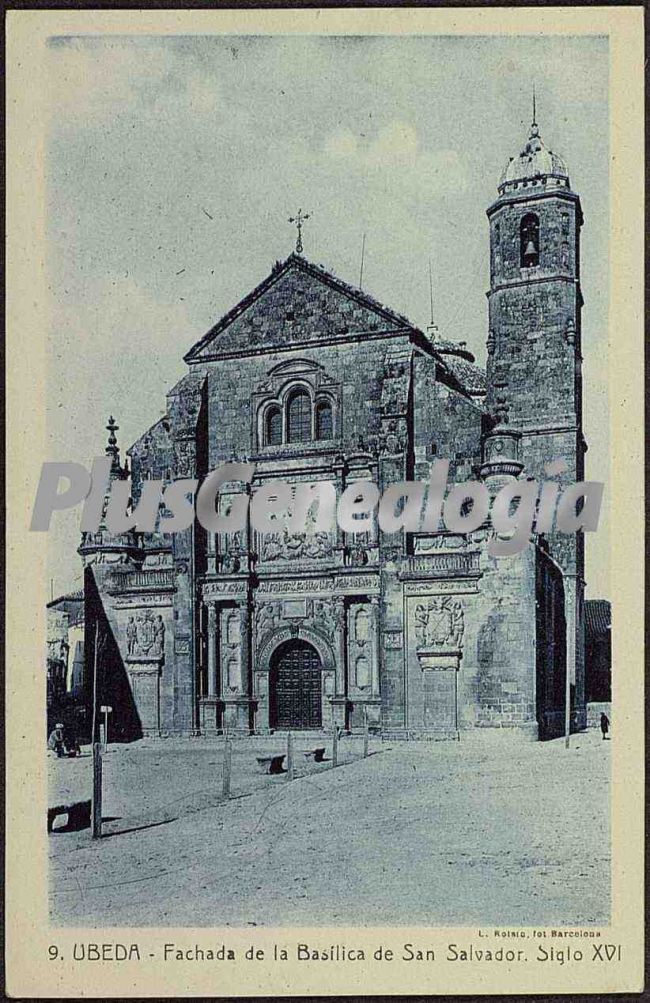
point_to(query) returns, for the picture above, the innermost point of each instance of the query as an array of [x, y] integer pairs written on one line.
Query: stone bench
[[271, 764], [78, 816], [318, 755]]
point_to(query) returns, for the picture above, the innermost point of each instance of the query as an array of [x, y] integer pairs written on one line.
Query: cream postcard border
[[29, 973]]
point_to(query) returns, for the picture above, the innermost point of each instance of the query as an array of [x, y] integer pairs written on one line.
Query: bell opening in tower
[[529, 238]]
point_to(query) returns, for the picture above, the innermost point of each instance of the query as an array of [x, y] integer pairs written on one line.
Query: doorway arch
[[295, 686]]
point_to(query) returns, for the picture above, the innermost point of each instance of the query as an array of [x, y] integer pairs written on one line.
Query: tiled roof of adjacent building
[[68, 597], [470, 377], [598, 616], [461, 363]]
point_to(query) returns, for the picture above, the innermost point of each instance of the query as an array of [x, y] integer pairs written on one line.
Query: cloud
[[396, 143], [92, 81], [120, 317], [395, 160], [342, 143]]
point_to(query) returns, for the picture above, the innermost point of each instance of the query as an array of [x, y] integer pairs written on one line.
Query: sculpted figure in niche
[[323, 615], [144, 634], [231, 561], [421, 619], [159, 636], [391, 439], [358, 554], [268, 616], [131, 636]]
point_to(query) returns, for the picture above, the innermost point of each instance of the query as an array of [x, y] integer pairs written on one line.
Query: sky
[[173, 164]]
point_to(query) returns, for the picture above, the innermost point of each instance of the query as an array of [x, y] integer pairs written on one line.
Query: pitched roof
[[472, 379], [297, 281], [598, 616], [68, 597]]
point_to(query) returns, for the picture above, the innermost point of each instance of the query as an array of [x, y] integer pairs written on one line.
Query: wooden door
[[295, 687]]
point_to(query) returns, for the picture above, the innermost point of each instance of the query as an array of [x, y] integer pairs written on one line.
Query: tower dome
[[535, 165]]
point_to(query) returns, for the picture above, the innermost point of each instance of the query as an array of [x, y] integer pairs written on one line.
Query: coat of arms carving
[[439, 624]]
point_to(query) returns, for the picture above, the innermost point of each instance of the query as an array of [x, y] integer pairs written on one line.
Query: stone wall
[[447, 425]]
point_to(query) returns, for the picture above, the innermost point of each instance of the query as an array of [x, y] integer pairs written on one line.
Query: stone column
[[212, 650], [236, 667], [339, 617], [244, 716], [339, 700], [374, 704], [245, 625], [570, 595], [210, 701], [374, 645]]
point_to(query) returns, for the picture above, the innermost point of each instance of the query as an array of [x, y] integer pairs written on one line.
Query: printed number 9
[[53, 952]]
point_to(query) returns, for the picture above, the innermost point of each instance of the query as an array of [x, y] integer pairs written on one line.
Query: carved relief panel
[[230, 549], [439, 623], [311, 544], [230, 641], [145, 636], [436, 631], [437, 627]]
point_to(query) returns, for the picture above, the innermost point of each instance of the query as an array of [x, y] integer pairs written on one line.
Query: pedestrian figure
[[55, 741], [71, 742], [604, 725]]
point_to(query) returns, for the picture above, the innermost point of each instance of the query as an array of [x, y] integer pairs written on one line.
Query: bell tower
[[534, 365], [534, 358]]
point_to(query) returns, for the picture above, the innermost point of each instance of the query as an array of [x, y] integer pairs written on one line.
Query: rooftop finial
[[112, 449], [534, 129], [534, 107], [299, 219], [432, 329]]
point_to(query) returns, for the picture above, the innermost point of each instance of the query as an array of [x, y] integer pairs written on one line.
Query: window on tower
[[529, 240]]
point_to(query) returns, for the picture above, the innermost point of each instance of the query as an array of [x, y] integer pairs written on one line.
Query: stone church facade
[[420, 634]]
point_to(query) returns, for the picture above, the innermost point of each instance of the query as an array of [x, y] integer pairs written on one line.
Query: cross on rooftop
[[299, 219]]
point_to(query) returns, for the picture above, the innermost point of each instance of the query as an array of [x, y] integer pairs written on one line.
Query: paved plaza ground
[[481, 832]]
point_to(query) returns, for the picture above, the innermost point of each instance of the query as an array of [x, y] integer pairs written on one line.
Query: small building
[[598, 658], [65, 658]]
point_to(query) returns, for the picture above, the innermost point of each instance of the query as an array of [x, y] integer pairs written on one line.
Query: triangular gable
[[299, 303]]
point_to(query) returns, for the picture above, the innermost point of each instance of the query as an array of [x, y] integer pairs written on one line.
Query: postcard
[[325, 523]]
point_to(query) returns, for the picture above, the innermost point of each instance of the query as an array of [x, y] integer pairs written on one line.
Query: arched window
[[323, 420], [274, 426], [529, 240], [299, 417]]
